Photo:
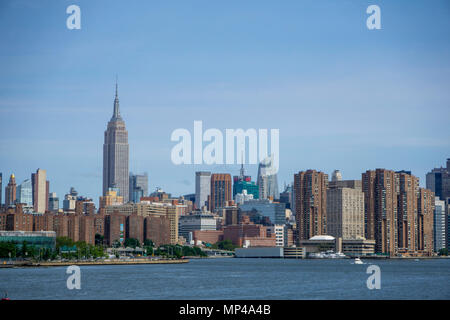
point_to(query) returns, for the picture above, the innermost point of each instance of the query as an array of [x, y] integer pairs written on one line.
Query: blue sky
[[344, 97]]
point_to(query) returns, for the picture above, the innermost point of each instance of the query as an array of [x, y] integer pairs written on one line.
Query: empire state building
[[115, 154]]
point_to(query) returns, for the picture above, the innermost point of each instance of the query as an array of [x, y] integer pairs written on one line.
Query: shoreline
[[30, 264]]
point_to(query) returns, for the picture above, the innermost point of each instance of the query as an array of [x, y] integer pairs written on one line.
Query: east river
[[233, 278]]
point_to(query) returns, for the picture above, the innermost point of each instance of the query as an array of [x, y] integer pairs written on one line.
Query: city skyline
[[378, 101]]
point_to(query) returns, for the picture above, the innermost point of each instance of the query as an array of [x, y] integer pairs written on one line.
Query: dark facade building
[[115, 225], [157, 229], [135, 227], [438, 181]]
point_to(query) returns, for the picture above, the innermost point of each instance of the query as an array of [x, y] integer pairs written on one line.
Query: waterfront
[[236, 279]]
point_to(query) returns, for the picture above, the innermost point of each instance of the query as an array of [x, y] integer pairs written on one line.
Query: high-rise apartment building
[[310, 189], [397, 212], [425, 221], [345, 212], [220, 191], [407, 187], [202, 188], [10, 191], [115, 154], [380, 209], [267, 179], [25, 193], [40, 190], [138, 187]]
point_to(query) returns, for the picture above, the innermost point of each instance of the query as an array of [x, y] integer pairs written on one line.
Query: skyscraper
[[438, 181], [115, 154], [267, 179], [220, 190], [243, 182], [25, 193], [310, 188], [10, 191], [398, 213], [202, 188], [380, 209], [138, 187], [39, 187]]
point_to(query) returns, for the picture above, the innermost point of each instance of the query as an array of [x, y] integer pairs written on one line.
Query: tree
[[99, 239], [64, 241], [7, 248], [224, 245], [148, 243], [131, 242], [443, 252]]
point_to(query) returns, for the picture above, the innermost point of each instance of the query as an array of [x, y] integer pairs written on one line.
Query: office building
[[438, 181], [243, 182], [138, 187], [286, 196], [25, 193], [310, 188], [202, 188], [275, 212], [201, 222], [267, 179], [220, 193], [115, 154]]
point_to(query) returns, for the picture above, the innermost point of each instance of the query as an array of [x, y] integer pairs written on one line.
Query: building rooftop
[[321, 237]]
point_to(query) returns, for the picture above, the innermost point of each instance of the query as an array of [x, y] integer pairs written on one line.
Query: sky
[[343, 96]]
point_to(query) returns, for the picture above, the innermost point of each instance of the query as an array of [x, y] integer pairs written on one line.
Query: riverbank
[[92, 263]]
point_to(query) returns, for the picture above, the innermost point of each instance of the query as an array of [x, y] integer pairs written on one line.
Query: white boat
[[358, 261]]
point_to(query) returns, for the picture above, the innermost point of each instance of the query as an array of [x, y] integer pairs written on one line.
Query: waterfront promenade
[[6, 264]]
